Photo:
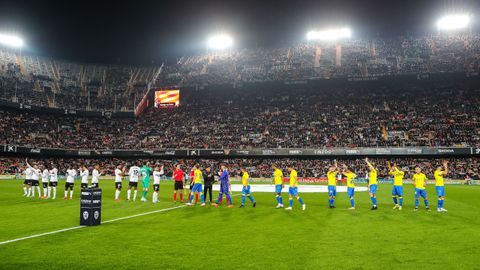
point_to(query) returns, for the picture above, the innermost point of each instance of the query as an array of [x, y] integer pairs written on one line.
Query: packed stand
[[269, 118]]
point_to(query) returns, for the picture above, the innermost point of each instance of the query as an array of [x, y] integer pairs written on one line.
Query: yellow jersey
[[278, 177], [332, 178], [438, 178], [197, 176], [373, 177], [350, 177], [245, 178], [397, 177], [419, 179], [293, 178]]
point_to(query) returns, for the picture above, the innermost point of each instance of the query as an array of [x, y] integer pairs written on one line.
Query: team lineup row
[[202, 179]]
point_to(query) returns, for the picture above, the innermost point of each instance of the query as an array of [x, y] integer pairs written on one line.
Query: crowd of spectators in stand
[[460, 168], [268, 118], [46, 82]]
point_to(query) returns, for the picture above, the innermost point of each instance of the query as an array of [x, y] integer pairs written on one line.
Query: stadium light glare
[[220, 42], [453, 22], [10, 40], [330, 34]]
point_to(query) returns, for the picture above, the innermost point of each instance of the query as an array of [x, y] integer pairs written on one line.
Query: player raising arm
[[35, 177], [372, 184], [397, 191], [420, 182], [350, 175], [332, 184], [27, 183], [439, 185]]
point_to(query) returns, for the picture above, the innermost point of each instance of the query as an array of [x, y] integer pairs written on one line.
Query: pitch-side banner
[[234, 153]]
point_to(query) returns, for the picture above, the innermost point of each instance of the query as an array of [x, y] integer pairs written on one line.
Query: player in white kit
[[27, 183], [96, 176], [133, 173], [157, 174], [119, 173], [36, 172], [45, 175], [84, 175], [52, 186], [71, 173]]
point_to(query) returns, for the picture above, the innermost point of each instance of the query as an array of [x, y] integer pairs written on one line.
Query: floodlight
[[12, 41], [330, 34], [453, 22], [220, 42]]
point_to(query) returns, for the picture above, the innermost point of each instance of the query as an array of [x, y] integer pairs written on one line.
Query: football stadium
[[240, 134]]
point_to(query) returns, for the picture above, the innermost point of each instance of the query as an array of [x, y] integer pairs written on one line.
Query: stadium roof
[[145, 31]]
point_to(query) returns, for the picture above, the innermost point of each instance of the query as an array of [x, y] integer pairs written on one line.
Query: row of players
[[201, 182]]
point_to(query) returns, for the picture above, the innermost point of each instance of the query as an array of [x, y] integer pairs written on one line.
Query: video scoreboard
[[167, 98]]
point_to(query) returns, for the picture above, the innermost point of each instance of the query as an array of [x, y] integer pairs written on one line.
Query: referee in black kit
[[208, 179]]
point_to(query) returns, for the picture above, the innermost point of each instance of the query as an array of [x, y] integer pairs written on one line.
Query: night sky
[[144, 32]]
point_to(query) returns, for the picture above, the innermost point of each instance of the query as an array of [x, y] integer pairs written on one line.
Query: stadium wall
[[58, 111]]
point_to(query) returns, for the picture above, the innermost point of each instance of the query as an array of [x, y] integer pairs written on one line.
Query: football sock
[[300, 200], [229, 198]]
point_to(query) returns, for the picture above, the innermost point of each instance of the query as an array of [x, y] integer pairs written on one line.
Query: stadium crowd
[[460, 168], [268, 118], [56, 83]]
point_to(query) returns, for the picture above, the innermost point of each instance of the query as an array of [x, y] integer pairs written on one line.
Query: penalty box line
[[80, 227]]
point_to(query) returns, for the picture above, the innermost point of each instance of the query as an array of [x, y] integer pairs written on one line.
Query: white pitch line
[[79, 227], [39, 235]]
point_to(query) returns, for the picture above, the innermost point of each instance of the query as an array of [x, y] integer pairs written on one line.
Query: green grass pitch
[[250, 238]]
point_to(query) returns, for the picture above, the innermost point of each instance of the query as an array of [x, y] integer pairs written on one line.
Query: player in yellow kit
[[278, 181], [246, 188], [332, 184], [372, 184], [397, 191], [293, 189], [439, 185], [197, 186], [420, 181], [350, 175]]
